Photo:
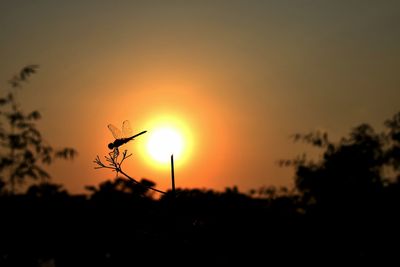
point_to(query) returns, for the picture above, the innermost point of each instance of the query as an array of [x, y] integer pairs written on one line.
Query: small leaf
[[66, 153], [27, 71], [34, 115]]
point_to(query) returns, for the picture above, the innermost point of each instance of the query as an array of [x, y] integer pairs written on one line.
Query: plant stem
[[136, 182], [173, 175]]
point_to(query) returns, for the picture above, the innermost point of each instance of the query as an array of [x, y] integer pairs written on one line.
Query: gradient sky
[[240, 76]]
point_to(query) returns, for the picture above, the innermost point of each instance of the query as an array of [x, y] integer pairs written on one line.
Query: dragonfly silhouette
[[122, 137]]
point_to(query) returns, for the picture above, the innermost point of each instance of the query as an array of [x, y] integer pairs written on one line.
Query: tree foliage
[[354, 170], [24, 151]]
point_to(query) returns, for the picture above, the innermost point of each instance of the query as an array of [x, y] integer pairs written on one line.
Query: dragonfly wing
[[126, 129], [115, 131]]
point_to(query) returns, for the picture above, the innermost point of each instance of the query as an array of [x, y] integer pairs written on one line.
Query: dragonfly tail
[[136, 135]]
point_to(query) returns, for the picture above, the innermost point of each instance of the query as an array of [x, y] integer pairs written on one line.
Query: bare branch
[[115, 164]]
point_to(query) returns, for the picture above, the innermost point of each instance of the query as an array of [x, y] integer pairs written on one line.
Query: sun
[[164, 142], [167, 134]]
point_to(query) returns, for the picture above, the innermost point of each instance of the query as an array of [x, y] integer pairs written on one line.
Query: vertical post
[[173, 210], [173, 175]]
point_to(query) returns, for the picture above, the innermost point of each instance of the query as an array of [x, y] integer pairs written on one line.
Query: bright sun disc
[[164, 142]]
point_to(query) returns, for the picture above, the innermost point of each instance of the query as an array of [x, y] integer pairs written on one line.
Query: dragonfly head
[[110, 145]]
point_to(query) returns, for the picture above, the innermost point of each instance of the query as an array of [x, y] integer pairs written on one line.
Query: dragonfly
[[122, 137]]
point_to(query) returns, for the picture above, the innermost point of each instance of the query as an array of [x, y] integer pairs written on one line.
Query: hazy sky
[[239, 76]]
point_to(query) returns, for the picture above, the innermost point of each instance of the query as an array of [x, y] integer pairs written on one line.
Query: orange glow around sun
[[165, 136], [181, 120]]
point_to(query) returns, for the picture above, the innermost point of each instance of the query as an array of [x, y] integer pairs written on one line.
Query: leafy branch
[[24, 150]]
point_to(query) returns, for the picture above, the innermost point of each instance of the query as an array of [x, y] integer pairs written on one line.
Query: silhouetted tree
[[350, 171], [270, 192], [46, 190], [121, 187], [392, 154], [24, 151]]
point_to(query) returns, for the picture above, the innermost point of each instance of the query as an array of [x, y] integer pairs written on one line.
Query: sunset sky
[[235, 78]]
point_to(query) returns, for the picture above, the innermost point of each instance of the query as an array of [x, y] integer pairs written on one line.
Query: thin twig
[[139, 183], [115, 165]]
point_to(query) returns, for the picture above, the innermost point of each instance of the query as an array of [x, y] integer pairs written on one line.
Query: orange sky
[[241, 76]]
